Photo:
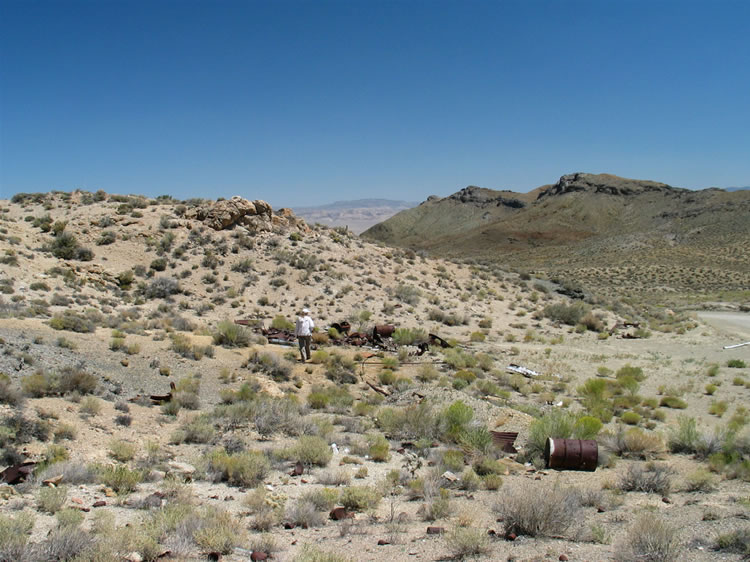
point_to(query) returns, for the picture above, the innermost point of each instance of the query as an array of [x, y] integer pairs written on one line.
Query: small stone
[[435, 530], [563, 558], [537, 478], [449, 476], [298, 470], [288, 525], [52, 482], [491, 532], [383, 542], [109, 492], [228, 498], [134, 557], [511, 537], [666, 500], [100, 503], [600, 509], [303, 481], [125, 363], [258, 555], [79, 501], [84, 509]]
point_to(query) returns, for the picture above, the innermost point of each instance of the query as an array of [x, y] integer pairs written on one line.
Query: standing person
[[303, 330]]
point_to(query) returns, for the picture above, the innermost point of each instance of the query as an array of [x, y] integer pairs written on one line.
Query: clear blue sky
[[307, 102]]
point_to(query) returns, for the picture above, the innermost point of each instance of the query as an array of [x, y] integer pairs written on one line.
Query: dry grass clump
[[311, 553], [632, 442], [652, 478], [467, 541], [538, 510], [650, 539], [14, 535], [737, 541], [120, 478], [359, 498], [51, 500]]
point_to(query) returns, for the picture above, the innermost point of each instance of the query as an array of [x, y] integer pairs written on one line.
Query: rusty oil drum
[[571, 454]]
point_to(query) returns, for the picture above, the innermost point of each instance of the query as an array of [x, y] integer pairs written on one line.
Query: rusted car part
[[162, 398], [17, 472], [571, 454], [437, 340], [526, 372], [505, 440], [342, 327]]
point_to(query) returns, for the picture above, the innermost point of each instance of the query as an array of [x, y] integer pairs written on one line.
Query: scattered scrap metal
[[380, 337]]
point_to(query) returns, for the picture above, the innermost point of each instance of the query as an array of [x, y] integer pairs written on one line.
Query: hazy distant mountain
[[358, 215], [738, 188]]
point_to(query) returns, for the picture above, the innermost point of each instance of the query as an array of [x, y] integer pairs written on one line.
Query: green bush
[[246, 469], [455, 418], [229, 334], [72, 321], [359, 497], [409, 336], [310, 450], [379, 448], [587, 427], [120, 478], [280, 322], [673, 402], [51, 500], [566, 314], [736, 364], [630, 418], [555, 424]]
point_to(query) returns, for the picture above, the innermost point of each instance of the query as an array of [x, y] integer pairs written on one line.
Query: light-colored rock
[[181, 468]]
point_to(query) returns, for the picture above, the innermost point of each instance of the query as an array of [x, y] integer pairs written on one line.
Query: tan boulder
[[224, 214]]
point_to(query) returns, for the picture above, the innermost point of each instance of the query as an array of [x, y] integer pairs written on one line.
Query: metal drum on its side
[[571, 454]]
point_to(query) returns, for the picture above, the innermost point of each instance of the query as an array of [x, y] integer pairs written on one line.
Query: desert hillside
[[154, 406], [621, 237]]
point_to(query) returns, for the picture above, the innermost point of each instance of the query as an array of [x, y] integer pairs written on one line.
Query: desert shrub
[[409, 336], [628, 371], [538, 510], [718, 408], [311, 553], [64, 432], [359, 497], [310, 450], [51, 500], [632, 442], [651, 539], [120, 478], [685, 437], [673, 402], [121, 450], [455, 418], [453, 460], [700, 480], [476, 440], [280, 322], [379, 448], [66, 247], [736, 364], [417, 421], [161, 288], [566, 314], [652, 478], [467, 541], [90, 406], [229, 334], [72, 472], [303, 513], [74, 379], [218, 532], [199, 429], [242, 469], [107, 237], [72, 321], [737, 541], [556, 424], [63, 543], [407, 294], [630, 418], [587, 427], [14, 534], [9, 393], [278, 368]]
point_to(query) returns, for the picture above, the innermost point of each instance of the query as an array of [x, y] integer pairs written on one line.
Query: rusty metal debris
[[571, 454], [505, 440], [17, 472], [162, 398]]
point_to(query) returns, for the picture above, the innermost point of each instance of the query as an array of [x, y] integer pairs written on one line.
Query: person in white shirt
[[303, 330]]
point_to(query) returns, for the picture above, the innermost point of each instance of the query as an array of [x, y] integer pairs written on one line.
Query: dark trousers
[[304, 347]]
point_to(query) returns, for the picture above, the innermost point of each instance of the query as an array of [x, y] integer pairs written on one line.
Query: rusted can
[[571, 454]]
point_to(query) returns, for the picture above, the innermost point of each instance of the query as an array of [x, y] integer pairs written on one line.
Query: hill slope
[[648, 236]]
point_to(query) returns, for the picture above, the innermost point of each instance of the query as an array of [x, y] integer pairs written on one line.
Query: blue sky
[[307, 102]]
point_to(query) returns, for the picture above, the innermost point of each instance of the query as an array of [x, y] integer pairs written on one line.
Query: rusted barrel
[[385, 330], [571, 454]]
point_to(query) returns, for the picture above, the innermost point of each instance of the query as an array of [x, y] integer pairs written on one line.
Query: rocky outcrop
[[483, 197], [256, 216], [607, 184]]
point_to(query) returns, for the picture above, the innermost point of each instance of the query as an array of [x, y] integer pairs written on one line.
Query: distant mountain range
[[358, 215], [586, 226], [738, 188]]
